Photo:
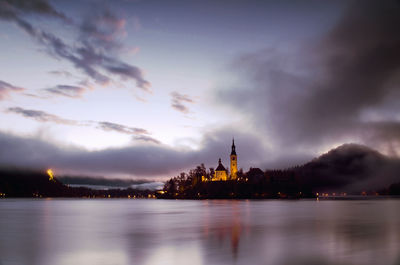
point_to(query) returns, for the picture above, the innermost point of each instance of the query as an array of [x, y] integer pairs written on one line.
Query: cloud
[[12, 8], [109, 126], [6, 88], [140, 161], [41, 116], [144, 160], [178, 100], [384, 134], [61, 73], [140, 134], [67, 91], [101, 181], [87, 58], [103, 29], [328, 91], [126, 71], [91, 52], [147, 139]]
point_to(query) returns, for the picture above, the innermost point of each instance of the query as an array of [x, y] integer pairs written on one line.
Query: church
[[221, 174]]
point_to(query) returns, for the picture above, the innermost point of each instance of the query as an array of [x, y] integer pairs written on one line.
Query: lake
[[276, 232]]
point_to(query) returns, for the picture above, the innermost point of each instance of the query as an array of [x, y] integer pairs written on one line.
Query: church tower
[[233, 161]]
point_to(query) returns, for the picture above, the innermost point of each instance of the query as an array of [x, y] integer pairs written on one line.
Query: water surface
[[307, 232]]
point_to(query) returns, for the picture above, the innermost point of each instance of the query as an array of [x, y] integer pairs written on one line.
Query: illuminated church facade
[[221, 174]]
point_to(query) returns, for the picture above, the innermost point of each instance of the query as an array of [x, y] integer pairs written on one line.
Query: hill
[[350, 168], [16, 182], [27, 183]]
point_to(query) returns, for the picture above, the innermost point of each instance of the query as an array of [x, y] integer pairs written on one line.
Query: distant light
[[51, 174]]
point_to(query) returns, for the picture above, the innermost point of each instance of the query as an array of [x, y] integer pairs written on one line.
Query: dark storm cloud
[[385, 133], [40, 116], [109, 126], [330, 90], [139, 160], [6, 88], [67, 91], [178, 100], [91, 52]]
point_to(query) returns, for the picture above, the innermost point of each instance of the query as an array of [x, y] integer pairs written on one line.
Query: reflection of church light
[[230, 230]]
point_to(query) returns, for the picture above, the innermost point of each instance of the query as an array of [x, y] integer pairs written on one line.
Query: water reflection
[[199, 232], [218, 232]]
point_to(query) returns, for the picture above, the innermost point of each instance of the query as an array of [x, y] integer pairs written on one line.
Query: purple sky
[[147, 89]]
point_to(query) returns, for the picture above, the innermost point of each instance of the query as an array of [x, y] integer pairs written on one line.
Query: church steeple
[[233, 161], [220, 173], [233, 152]]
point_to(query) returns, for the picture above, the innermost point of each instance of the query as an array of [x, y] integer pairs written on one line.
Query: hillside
[[16, 182], [28, 183], [350, 167]]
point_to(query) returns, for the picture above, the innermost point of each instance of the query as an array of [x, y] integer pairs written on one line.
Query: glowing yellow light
[[51, 174]]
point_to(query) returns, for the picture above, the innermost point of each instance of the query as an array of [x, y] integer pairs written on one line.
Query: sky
[[147, 89]]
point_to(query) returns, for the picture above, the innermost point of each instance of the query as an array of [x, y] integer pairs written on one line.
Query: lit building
[[221, 174]]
